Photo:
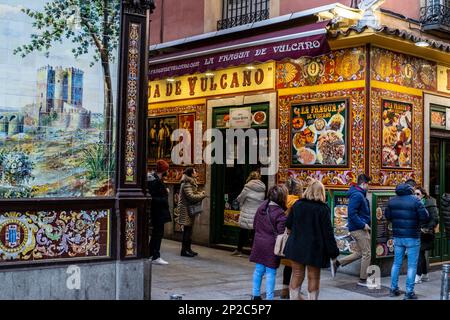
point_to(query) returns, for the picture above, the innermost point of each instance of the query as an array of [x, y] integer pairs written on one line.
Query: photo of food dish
[[380, 250], [340, 231], [231, 218], [379, 214], [259, 117], [302, 138], [298, 123], [331, 148], [320, 124], [306, 156], [341, 211], [336, 122]]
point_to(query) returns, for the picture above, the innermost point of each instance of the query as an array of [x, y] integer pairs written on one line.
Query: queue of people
[[302, 212]]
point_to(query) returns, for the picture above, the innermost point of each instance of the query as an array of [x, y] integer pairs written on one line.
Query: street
[[216, 275]]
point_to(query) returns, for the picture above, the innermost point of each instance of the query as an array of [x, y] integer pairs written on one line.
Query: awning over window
[[309, 40]]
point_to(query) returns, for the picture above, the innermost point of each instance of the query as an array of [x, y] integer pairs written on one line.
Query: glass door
[[440, 184]]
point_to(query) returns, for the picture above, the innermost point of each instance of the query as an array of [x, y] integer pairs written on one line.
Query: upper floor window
[[435, 12], [239, 12]]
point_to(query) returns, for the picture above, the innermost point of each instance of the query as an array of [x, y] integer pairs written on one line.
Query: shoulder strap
[[270, 221]]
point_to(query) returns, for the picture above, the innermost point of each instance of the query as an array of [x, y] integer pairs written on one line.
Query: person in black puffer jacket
[[159, 209], [445, 207], [407, 213]]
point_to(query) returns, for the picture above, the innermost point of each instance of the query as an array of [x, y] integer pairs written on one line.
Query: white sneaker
[[425, 277], [160, 261], [418, 279]]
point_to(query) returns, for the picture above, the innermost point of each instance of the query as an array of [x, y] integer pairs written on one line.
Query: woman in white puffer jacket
[[249, 200]]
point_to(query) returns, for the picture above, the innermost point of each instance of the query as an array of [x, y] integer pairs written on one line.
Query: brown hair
[[278, 194], [423, 191], [315, 191], [294, 186], [254, 175]]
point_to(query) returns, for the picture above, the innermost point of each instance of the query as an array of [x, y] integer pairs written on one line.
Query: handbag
[[280, 239], [195, 209]]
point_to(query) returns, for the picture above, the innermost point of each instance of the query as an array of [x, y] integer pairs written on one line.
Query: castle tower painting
[[59, 87]]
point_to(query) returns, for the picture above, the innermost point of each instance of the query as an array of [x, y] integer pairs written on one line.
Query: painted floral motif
[[337, 66], [175, 173], [392, 177], [404, 70], [130, 232], [335, 178], [132, 103], [45, 235]]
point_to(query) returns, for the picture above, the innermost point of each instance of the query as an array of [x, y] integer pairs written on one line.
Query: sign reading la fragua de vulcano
[[229, 81]]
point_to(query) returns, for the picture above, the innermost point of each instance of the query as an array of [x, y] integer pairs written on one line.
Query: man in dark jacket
[[159, 209], [406, 213], [445, 205], [359, 227]]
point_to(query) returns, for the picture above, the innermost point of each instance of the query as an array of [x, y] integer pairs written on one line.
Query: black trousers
[[187, 238], [155, 241], [244, 236], [287, 272], [422, 267]]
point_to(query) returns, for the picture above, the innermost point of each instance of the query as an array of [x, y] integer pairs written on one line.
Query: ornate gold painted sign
[[228, 81]]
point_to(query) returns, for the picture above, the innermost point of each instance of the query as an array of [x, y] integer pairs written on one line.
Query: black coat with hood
[[445, 207], [159, 207]]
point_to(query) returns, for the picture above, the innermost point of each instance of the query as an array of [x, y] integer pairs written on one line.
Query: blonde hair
[[315, 191], [254, 175]]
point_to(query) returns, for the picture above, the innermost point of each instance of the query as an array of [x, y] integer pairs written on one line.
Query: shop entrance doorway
[[228, 180], [440, 184]]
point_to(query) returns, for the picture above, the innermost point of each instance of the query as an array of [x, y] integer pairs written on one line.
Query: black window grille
[[239, 12], [435, 12]]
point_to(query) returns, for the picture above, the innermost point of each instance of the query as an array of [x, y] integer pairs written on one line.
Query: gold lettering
[[259, 76], [213, 85], [235, 81], [178, 88], [157, 94], [247, 78], [203, 84], [192, 81], [223, 83]]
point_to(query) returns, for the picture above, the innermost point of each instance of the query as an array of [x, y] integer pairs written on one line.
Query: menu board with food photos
[[383, 242], [318, 134], [397, 134], [344, 240]]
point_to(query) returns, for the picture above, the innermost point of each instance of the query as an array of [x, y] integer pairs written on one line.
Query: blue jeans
[[271, 274], [412, 245]]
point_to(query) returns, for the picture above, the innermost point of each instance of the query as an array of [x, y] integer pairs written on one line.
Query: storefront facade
[[363, 106]]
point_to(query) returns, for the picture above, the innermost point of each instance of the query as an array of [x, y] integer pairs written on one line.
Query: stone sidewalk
[[216, 275]]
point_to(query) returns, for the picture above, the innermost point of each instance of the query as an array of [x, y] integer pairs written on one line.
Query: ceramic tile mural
[[412, 168], [57, 98], [331, 177], [404, 70], [337, 66], [50, 235], [175, 117]]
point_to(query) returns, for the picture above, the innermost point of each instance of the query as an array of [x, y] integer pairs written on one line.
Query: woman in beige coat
[[189, 195]]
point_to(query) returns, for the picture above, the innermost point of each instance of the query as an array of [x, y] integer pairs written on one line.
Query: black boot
[[185, 253], [185, 250]]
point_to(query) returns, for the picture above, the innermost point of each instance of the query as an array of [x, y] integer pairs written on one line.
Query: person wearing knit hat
[[159, 209]]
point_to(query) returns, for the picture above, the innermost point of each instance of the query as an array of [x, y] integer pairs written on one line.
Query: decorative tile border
[[54, 235], [132, 103], [130, 232]]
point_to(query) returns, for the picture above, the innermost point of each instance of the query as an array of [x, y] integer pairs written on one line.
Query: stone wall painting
[[403, 70], [54, 235], [331, 177], [57, 90], [182, 117], [337, 66], [391, 176]]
